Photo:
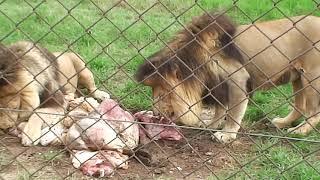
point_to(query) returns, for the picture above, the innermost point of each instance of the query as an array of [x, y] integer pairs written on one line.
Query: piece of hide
[[44, 127], [48, 126], [53, 135]]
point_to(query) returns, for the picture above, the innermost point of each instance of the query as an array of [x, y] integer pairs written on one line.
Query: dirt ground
[[196, 157]]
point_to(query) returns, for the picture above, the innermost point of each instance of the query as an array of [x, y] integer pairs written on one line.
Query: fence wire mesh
[[145, 90]]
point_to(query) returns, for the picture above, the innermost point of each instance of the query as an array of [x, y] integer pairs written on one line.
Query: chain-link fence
[[159, 89]]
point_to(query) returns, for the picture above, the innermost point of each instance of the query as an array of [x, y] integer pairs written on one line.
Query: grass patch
[[278, 160], [114, 38], [5, 158], [289, 162], [269, 104], [51, 155]]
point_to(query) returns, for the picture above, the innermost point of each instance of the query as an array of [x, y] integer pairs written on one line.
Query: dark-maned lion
[[27, 72], [31, 76], [213, 63]]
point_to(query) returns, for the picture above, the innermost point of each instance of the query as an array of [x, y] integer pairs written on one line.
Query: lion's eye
[[2, 67], [162, 96]]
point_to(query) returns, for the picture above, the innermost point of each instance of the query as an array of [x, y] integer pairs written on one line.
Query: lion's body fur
[[32, 77], [258, 56], [291, 48], [193, 71], [293, 57], [27, 73]]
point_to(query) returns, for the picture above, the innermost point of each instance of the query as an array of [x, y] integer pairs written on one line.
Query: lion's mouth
[[170, 116], [3, 81]]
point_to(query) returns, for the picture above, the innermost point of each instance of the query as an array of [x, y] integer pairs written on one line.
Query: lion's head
[[184, 75], [8, 66]]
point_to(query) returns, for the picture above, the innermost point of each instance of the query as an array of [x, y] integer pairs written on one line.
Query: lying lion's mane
[[11, 58]]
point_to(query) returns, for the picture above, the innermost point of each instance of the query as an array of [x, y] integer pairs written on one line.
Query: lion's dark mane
[[188, 59]]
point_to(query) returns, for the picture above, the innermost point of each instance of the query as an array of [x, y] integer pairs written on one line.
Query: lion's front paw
[[301, 130], [210, 124], [224, 137], [69, 97], [204, 123], [101, 95], [24, 115], [280, 123], [30, 136]]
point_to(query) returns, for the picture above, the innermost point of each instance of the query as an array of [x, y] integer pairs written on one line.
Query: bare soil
[[196, 157]]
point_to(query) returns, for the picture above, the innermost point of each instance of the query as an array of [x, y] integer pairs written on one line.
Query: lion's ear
[[177, 72], [147, 74], [151, 81]]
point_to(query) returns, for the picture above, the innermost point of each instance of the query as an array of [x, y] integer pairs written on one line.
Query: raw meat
[[99, 163], [98, 134], [49, 125], [155, 130], [79, 108], [116, 130], [94, 134], [122, 121]]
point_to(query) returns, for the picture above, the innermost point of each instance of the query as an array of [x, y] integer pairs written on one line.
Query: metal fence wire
[[190, 62]]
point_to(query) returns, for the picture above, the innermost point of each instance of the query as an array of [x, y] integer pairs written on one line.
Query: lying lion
[[31, 76], [214, 63], [27, 72]]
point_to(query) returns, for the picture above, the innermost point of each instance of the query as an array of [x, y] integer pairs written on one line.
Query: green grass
[[52, 155], [5, 158], [280, 161], [118, 30], [113, 41]]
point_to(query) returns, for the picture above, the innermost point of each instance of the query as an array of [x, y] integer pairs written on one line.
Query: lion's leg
[[305, 127], [32, 131], [238, 102], [69, 87], [86, 78], [312, 111], [218, 116], [299, 103], [52, 95]]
